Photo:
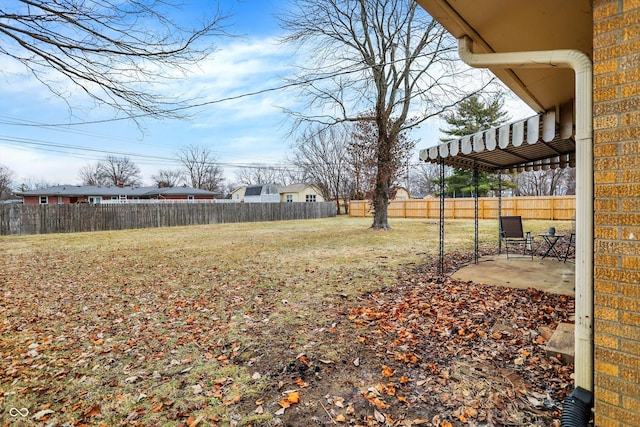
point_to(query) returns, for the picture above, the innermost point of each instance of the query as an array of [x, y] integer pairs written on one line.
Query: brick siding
[[616, 97]]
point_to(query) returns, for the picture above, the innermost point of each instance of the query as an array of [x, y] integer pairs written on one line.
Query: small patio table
[[551, 240]]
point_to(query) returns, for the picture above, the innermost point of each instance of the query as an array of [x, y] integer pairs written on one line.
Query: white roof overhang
[[539, 142], [499, 26]]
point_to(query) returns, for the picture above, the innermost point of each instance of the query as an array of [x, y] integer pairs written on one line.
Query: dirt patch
[[427, 352]]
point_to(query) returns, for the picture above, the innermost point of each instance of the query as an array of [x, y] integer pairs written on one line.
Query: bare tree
[[361, 160], [6, 179], [546, 182], [89, 175], [114, 170], [322, 156], [201, 167], [286, 175], [424, 179], [386, 57], [168, 177], [258, 173], [33, 183], [115, 52]]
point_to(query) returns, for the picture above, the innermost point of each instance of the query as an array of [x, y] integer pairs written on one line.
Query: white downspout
[[581, 64]]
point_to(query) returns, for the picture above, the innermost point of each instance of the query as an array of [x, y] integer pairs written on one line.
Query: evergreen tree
[[471, 116]]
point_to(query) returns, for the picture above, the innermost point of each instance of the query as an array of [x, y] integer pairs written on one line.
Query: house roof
[[516, 26], [180, 191], [295, 188], [129, 191]]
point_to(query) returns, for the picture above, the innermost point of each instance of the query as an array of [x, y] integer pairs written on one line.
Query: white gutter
[[581, 64]]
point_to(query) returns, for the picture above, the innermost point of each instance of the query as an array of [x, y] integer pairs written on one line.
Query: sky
[[240, 130]]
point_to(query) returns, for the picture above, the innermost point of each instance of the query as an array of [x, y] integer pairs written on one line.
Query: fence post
[[15, 219]]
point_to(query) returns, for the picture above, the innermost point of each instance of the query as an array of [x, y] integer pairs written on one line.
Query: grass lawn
[[298, 323]]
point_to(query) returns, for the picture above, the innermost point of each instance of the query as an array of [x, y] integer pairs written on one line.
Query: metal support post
[[476, 179], [499, 211], [441, 259]]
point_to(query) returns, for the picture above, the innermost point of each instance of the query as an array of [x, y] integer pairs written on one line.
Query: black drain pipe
[[576, 410]]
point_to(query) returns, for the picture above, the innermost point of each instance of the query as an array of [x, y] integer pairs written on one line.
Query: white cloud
[[36, 166]]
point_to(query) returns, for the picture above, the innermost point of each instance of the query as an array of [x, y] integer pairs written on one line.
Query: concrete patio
[[547, 274]]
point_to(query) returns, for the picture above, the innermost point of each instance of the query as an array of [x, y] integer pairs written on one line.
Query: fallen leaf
[[41, 414], [193, 422], [232, 401], [300, 382], [284, 403], [387, 371], [94, 411], [340, 418], [471, 413], [379, 417], [157, 408], [293, 397], [379, 403]]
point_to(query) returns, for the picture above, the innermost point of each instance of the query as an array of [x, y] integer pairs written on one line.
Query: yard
[[295, 323]]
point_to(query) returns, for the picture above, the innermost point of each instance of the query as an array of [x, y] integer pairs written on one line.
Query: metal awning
[[538, 142]]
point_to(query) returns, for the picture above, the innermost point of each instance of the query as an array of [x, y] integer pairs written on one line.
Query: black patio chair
[[571, 246], [512, 236]]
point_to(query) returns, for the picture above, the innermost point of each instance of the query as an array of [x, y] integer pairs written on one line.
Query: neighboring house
[[579, 65], [301, 193], [399, 193], [93, 194], [237, 195], [261, 193], [395, 193]]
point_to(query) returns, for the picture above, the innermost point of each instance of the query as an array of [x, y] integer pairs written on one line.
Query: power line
[[19, 122], [59, 148], [304, 82]]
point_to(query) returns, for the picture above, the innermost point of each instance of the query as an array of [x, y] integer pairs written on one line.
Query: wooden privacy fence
[[42, 219], [544, 208]]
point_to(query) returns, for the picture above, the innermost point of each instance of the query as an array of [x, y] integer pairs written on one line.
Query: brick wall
[[616, 98]]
